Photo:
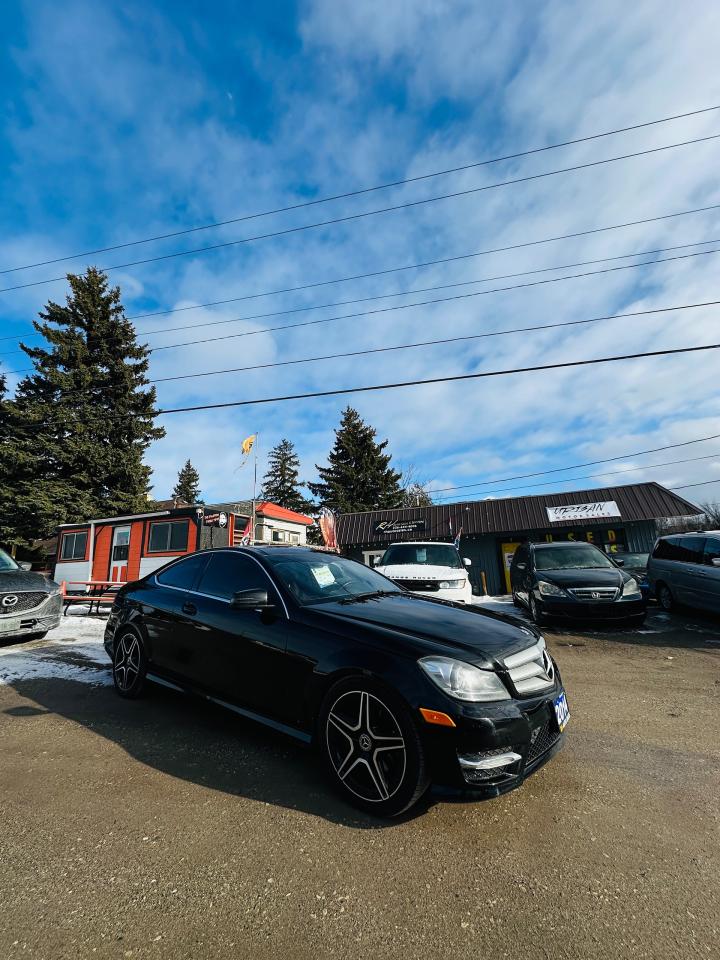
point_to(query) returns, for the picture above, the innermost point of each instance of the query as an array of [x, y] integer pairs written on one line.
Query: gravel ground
[[166, 828]]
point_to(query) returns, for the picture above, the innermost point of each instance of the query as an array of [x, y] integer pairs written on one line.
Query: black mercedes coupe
[[396, 691]]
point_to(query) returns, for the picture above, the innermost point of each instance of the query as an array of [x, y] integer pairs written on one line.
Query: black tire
[[637, 621], [129, 665], [537, 616], [371, 746], [665, 599]]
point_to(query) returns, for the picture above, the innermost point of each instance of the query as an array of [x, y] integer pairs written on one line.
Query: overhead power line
[[703, 483], [424, 343], [405, 293], [344, 391], [414, 266], [587, 476], [371, 213], [359, 192]]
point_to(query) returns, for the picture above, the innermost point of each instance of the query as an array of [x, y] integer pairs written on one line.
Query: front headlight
[[463, 681], [451, 584], [631, 588], [549, 589]]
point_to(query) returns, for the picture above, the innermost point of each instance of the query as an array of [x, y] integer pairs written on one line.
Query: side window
[[666, 549], [712, 551], [690, 549], [184, 573], [229, 572]]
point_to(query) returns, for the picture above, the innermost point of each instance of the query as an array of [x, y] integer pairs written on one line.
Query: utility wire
[[361, 191], [372, 213], [414, 266], [703, 483], [429, 343], [415, 383], [425, 343], [587, 476]]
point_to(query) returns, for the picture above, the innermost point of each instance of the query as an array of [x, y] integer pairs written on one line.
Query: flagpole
[[254, 514]]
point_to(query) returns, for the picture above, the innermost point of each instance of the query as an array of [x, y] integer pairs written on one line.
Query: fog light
[[487, 764]]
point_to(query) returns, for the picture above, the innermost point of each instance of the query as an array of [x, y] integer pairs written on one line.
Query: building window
[[169, 537], [279, 536], [74, 546]]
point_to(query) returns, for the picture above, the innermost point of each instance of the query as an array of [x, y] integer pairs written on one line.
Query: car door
[[518, 571], [689, 572], [167, 613], [711, 580], [237, 655]]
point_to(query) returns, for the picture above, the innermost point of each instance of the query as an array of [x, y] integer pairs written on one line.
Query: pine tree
[[188, 484], [83, 420], [281, 483], [358, 475]]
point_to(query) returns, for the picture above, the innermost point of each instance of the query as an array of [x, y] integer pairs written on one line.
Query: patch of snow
[[73, 651]]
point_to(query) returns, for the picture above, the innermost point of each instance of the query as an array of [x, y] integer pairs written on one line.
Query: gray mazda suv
[[30, 603]]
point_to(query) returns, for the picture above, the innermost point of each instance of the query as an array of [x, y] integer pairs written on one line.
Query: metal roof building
[[614, 518]]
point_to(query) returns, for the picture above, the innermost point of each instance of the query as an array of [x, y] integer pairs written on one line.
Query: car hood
[[599, 577], [22, 580], [469, 633], [421, 571]]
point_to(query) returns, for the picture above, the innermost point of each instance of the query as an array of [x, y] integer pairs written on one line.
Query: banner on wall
[[600, 510]]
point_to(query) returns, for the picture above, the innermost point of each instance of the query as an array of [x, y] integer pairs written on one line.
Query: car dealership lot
[[168, 828]]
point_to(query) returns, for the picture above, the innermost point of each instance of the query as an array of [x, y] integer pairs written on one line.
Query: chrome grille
[[531, 670], [427, 586], [24, 601], [595, 594]]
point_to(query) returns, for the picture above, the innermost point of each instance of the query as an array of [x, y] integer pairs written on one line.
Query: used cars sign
[[600, 510]]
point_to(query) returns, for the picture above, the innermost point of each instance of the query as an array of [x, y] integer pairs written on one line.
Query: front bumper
[[570, 609], [454, 594], [527, 729], [45, 616]]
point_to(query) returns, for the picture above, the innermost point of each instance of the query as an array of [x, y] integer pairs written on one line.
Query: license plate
[[562, 711], [6, 626]]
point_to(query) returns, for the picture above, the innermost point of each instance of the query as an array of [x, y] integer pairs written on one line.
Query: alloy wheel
[[366, 746], [127, 662]]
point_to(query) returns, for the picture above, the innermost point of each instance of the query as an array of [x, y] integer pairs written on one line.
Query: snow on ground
[[73, 651]]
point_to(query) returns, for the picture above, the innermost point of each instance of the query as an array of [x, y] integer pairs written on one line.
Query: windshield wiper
[[359, 597]]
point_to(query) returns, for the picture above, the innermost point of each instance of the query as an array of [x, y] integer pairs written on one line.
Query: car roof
[[421, 543], [564, 544], [693, 533], [265, 551]]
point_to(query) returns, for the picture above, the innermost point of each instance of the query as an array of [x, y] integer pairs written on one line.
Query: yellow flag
[[247, 443]]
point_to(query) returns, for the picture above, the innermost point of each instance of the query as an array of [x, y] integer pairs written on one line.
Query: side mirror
[[468, 563], [250, 600], [619, 561], [25, 565]]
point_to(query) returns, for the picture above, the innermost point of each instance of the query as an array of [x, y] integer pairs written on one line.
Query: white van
[[431, 569]]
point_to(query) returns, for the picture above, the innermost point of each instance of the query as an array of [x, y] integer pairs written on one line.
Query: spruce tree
[[358, 475], [281, 483], [84, 419], [188, 484]]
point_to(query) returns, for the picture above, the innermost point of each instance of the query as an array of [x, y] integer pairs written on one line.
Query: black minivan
[[574, 581]]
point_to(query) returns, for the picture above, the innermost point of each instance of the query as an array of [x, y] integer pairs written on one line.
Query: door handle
[[189, 608]]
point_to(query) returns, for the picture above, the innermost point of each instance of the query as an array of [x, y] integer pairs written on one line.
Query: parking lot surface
[[167, 828]]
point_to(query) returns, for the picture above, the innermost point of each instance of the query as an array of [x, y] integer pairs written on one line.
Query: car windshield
[[570, 558], [318, 578], [632, 559], [437, 554], [7, 562]]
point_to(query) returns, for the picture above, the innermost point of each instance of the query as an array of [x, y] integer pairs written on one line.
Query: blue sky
[[125, 120]]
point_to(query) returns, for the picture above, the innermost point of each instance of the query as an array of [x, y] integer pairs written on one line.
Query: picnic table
[[92, 592]]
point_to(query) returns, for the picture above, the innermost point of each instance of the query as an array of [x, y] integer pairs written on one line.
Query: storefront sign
[[600, 510], [389, 527], [215, 519]]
